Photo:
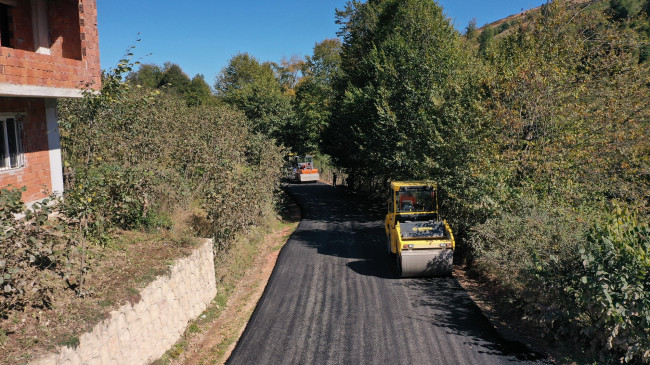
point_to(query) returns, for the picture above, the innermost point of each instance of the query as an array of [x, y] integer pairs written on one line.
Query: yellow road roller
[[422, 243]]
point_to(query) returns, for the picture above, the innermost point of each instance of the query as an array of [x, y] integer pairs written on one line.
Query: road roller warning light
[[422, 243]]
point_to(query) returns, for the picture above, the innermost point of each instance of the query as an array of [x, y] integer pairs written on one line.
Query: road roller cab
[[422, 243], [303, 169]]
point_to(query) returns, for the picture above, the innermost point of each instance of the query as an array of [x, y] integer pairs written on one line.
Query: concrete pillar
[[54, 143]]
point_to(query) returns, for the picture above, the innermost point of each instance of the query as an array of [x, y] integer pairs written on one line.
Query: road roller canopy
[[414, 197], [303, 162]]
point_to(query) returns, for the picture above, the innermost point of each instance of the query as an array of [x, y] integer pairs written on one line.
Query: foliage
[[113, 195], [471, 29], [623, 9], [174, 77], [148, 75], [136, 157], [600, 294], [567, 101], [253, 88], [315, 97], [612, 293], [198, 92], [171, 78], [390, 119], [508, 245], [485, 38], [288, 73], [556, 91], [530, 137], [32, 251], [243, 196]]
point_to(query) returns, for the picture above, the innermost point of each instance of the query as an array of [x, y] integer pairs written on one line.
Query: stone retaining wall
[[141, 333]]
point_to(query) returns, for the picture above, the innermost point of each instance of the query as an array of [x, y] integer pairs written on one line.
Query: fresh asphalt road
[[333, 298]]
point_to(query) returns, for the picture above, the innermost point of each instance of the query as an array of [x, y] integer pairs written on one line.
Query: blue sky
[[202, 35]]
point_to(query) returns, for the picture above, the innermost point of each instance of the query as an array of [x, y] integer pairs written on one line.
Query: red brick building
[[49, 49]]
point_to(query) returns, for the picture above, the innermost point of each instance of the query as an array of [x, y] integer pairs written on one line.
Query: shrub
[[612, 288], [513, 246], [137, 157], [31, 249]]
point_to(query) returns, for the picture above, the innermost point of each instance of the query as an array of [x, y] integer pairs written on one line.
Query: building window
[[40, 26], [11, 146], [5, 29]]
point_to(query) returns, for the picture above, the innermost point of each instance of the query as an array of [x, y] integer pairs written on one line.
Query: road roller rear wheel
[[388, 245], [398, 264]]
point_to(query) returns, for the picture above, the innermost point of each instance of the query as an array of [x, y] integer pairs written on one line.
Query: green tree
[[171, 78], [471, 29], [621, 9], [566, 133], [174, 78], [253, 87], [148, 75], [199, 92], [315, 96], [485, 38], [288, 73], [404, 101]]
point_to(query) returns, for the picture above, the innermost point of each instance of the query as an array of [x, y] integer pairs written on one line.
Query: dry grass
[[117, 274]]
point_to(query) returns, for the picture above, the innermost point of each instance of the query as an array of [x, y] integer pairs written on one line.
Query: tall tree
[[289, 73], [198, 92], [471, 29], [171, 78], [315, 95], [253, 87], [148, 75], [404, 102], [174, 78]]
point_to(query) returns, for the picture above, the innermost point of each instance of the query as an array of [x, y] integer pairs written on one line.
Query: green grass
[[70, 341]]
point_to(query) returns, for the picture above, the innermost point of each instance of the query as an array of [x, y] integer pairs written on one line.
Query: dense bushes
[[33, 253], [614, 286], [611, 290], [599, 293], [134, 158], [137, 156]]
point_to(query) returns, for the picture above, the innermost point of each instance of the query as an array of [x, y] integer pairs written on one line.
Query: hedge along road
[[333, 298]]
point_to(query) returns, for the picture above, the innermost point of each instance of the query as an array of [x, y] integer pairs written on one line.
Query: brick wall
[[23, 38], [35, 175], [90, 37], [65, 35], [74, 47]]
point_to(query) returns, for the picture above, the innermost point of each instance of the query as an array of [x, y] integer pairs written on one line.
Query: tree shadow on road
[[343, 226], [348, 207], [454, 310]]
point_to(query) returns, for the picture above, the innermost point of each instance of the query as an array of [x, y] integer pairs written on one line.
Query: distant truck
[[303, 169], [422, 243]]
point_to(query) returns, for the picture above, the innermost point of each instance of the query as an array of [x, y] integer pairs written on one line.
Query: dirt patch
[[116, 275], [242, 276]]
